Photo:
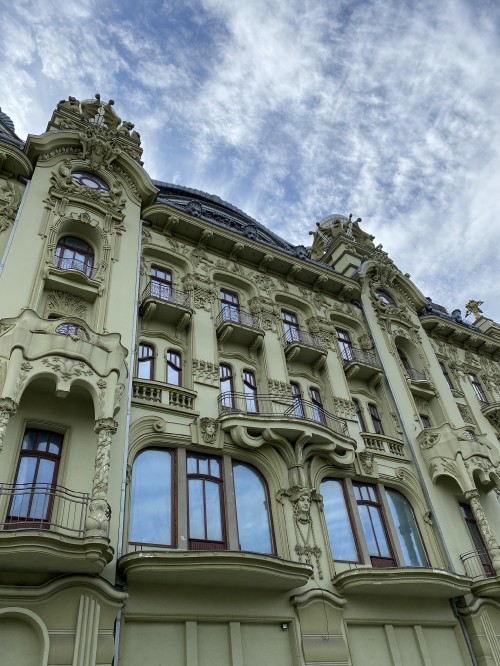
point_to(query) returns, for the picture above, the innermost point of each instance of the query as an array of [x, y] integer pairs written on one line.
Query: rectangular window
[[444, 370], [478, 389], [298, 403], [374, 528], [376, 420], [359, 415], [250, 390], [345, 345], [477, 539], [161, 283], [426, 422], [230, 305], [35, 485], [145, 362], [226, 385], [317, 405], [290, 326], [205, 502], [174, 368]]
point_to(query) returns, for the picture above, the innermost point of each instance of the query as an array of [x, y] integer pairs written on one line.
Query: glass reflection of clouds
[[338, 522], [151, 502], [252, 509]]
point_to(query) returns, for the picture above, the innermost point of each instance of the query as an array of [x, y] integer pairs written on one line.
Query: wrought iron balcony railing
[[164, 292], [42, 506], [72, 264], [232, 314], [271, 406], [477, 564], [296, 335], [350, 354]]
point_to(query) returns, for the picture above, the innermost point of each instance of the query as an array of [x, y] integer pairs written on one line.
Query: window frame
[[425, 420], [170, 364], [88, 254], [478, 389], [352, 522], [219, 481], [317, 404], [291, 328], [376, 419], [359, 415], [298, 400], [149, 359], [474, 531], [377, 561], [228, 401], [230, 305], [345, 344], [250, 389]]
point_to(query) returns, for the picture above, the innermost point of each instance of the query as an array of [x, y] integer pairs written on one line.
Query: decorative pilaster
[[7, 409], [492, 546], [97, 522]]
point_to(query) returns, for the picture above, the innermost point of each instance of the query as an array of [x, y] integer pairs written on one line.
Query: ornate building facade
[[217, 448]]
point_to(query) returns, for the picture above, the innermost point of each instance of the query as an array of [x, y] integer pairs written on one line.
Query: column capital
[[106, 424]]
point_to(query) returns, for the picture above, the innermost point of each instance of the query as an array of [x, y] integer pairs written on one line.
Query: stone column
[[492, 546], [7, 409], [97, 522]]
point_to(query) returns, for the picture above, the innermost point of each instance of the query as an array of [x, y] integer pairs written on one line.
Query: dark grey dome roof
[[7, 121]]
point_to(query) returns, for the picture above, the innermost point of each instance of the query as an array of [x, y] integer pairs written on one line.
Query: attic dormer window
[[88, 179]]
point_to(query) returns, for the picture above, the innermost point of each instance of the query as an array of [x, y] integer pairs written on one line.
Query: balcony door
[[34, 488], [161, 283], [345, 345], [230, 305], [290, 326]]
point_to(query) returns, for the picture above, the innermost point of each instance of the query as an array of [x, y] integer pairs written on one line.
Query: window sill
[[230, 569]]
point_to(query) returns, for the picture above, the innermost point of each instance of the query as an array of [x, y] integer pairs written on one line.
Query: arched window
[[174, 367], [404, 360], [374, 525], [73, 330], [33, 493], [152, 498], [226, 385], [146, 361], [338, 521], [250, 390], [73, 253], [478, 389], [376, 420], [290, 326], [161, 283], [252, 509], [407, 529]]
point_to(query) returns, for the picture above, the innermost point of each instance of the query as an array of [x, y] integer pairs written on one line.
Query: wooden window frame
[[250, 382], [298, 400], [317, 402], [345, 344], [207, 544], [229, 401], [478, 389], [150, 360], [472, 528], [359, 415], [376, 419], [291, 326], [170, 363], [64, 243], [377, 561]]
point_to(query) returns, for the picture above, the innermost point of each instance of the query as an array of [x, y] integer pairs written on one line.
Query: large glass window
[[374, 529], [226, 385], [252, 508], [446, 374], [477, 539], [205, 502], [146, 362], [152, 498], [345, 345], [32, 498], [250, 390], [317, 405], [73, 253], [298, 403], [230, 305], [338, 521], [174, 368], [407, 529]]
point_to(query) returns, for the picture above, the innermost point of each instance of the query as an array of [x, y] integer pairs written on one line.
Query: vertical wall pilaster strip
[[493, 640], [191, 644], [393, 645], [236, 647], [422, 646], [87, 632]]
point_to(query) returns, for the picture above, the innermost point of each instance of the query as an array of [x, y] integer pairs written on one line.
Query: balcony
[[222, 569], [239, 326], [163, 396], [74, 276], [420, 385], [478, 566], [384, 445], [44, 531], [305, 347], [254, 419], [492, 412], [167, 304], [402, 582], [360, 363]]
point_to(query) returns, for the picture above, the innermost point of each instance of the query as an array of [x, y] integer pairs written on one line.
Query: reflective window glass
[[252, 510]]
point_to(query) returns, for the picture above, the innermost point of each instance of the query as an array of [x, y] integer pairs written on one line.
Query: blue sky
[[294, 109]]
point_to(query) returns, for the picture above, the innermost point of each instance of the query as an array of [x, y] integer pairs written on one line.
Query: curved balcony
[[44, 531], [226, 569], [402, 582], [360, 363], [169, 305], [254, 419], [236, 325], [485, 581], [305, 347]]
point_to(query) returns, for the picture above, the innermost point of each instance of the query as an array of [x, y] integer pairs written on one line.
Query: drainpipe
[[121, 523], [14, 226]]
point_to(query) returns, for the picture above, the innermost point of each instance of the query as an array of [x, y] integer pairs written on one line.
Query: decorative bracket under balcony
[[361, 363], [420, 385], [242, 327], [461, 454], [167, 304]]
